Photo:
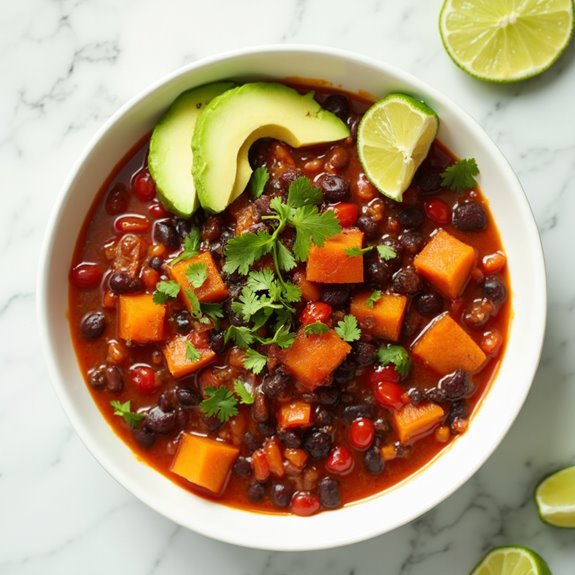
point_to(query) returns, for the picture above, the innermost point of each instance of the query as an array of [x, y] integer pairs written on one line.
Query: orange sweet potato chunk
[[385, 317], [313, 358], [331, 265], [445, 262], [212, 290], [294, 414], [179, 365], [140, 319], [413, 421], [204, 461], [445, 346]]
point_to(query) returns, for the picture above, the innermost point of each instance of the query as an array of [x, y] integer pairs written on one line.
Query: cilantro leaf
[[460, 176], [316, 328], [197, 274], [285, 259], [255, 361], [258, 181], [311, 226], [386, 252], [242, 251], [191, 246], [194, 302], [214, 311], [348, 329], [219, 402], [282, 337], [245, 396], [302, 193], [355, 251], [241, 335], [291, 292], [397, 355], [373, 298], [260, 280], [125, 410], [165, 290], [192, 354]]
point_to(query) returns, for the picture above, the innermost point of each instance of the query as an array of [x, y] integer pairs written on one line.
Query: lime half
[[512, 561], [393, 139], [505, 40], [555, 498]]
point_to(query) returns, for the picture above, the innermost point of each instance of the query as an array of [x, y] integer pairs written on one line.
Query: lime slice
[[505, 40], [393, 139], [555, 498], [512, 561]]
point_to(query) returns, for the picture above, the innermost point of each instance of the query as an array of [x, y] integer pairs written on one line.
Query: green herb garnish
[[460, 176], [245, 396], [125, 410], [197, 274], [192, 354], [374, 298], [348, 329], [255, 361], [396, 355], [258, 181], [386, 252], [316, 328], [191, 246], [165, 290], [355, 251], [219, 402]]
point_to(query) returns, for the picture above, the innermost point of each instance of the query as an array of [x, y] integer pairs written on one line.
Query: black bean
[[327, 395], [156, 263], [322, 416], [458, 410], [262, 205], [267, 428], [334, 187], [456, 385], [287, 178], [382, 426], [256, 492], [329, 493], [368, 226], [183, 321], [183, 227], [434, 394], [351, 412], [144, 437], [411, 242], [469, 216], [114, 378], [160, 421], [281, 494], [428, 179], [415, 396], [97, 376], [494, 289], [181, 418], [242, 467], [406, 281], [217, 342], [345, 372], [364, 353], [165, 233], [378, 273], [411, 217], [188, 398], [335, 295], [275, 385], [168, 400], [123, 282], [337, 104], [93, 325], [250, 441], [317, 443], [258, 153], [212, 229], [352, 122], [290, 439], [260, 408], [429, 304], [212, 423], [373, 461], [117, 199], [395, 245]]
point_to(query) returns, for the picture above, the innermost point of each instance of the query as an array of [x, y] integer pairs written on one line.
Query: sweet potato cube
[[331, 265], [313, 358], [212, 290], [294, 414], [413, 421], [445, 262], [384, 319], [140, 319], [204, 462], [445, 346], [175, 353]]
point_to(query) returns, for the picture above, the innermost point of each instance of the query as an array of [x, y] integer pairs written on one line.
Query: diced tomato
[[361, 433], [304, 503], [260, 465], [493, 263], [86, 275], [382, 373], [200, 340], [315, 311], [143, 186], [157, 211], [346, 213], [340, 460], [144, 378], [134, 224], [389, 394], [437, 211]]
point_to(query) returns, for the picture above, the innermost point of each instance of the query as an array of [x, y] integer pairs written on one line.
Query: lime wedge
[[505, 40], [555, 498], [512, 561], [393, 139]]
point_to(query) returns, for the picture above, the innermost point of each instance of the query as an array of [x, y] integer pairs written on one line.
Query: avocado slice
[[170, 155], [231, 122]]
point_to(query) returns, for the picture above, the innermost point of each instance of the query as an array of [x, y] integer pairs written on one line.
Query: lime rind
[[512, 560], [555, 498], [500, 54]]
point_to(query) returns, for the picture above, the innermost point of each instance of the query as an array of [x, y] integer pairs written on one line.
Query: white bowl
[[413, 496]]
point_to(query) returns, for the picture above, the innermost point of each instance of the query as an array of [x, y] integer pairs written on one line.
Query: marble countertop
[[66, 66]]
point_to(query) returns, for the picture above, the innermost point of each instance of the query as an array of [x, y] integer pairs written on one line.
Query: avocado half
[[235, 119], [170, 157]]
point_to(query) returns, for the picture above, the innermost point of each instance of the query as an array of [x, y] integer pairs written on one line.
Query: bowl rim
[[293, 523]]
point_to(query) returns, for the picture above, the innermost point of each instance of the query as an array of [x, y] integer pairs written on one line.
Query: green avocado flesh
[[234, 120], [170, 158]]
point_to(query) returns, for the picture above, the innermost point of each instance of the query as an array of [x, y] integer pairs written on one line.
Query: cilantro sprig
[[348, 329], [125, 410], [460, 176], [165, 290], [396, 355], [191, 246], [197, 274], [373, 298], [316, 328], [220, 402], [385, 252], [258, 181]]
